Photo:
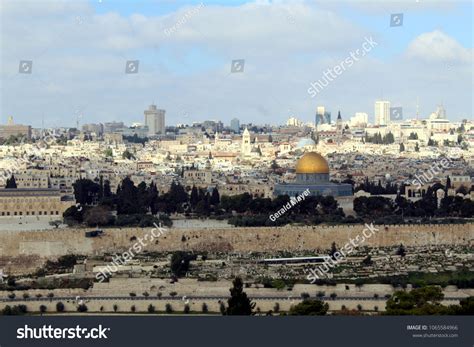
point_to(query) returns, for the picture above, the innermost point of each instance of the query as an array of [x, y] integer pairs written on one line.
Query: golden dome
[[312, 163]]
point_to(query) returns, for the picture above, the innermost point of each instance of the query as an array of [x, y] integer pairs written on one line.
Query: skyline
[[79, 51]]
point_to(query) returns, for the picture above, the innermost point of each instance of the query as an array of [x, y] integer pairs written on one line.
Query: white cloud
[[437, 46]]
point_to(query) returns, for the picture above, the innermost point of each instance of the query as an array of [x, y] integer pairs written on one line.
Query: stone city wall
[[53, 243]]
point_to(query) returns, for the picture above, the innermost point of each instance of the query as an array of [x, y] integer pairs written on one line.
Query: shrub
[[43, 309], [151, 308], [187, 309], [82, 308], [168, 308], [304, 296], [222, 308], [60, 307], [15, 310], [204, 308]]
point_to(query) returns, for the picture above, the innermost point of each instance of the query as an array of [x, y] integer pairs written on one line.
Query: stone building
[[195, 176], [12, 129], [33, 202]]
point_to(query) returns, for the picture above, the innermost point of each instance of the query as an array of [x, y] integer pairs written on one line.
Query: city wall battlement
[[53, 243]]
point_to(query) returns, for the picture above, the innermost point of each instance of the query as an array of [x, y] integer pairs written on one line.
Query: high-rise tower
[[155, 120]]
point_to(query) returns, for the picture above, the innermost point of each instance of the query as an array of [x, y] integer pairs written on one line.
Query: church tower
[[246, 146], [339, 123]]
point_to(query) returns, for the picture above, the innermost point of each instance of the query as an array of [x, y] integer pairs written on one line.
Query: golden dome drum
[[312, 163]]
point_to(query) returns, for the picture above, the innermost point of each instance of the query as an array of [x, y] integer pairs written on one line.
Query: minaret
[[246, 146], [339, 122]]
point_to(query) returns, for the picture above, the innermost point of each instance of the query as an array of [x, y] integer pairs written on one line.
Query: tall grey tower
[[155, 120]]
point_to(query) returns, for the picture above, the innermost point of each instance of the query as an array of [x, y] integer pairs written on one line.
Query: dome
[[312, 163], [305, 142]]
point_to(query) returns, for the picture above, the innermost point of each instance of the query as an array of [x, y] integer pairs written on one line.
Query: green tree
[[205, 309], [86, 192], [153, 198], [401, 251], [151, 308], [98, 215], [367, 261], [82, 308], [11, 182], [238, 303], [127, 155], [194, 197], [60, 307], [333, 250], [108, 153], [187, 309], [420, 301], [215, 198], [309, 308], [180, 263], [168, 308], [129, 198]]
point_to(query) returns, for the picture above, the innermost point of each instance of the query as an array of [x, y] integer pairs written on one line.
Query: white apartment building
[[293, 121], [360, 119], [382, 112]]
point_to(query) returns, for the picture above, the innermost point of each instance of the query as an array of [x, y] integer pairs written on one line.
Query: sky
[[79, 50]]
